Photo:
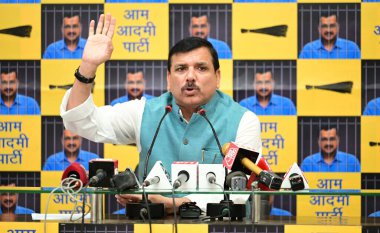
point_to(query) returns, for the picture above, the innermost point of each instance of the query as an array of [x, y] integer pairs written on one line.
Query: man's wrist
[[83, 79]]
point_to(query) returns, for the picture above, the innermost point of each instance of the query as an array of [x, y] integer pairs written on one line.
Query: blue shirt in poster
[[59, 50], [278, 105], [343, 49], [126, 99], [59, 161], [372, 108], [23, 105], [221, 47], [343, 162], [20, 210]]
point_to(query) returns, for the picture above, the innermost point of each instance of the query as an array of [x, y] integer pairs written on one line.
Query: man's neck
[[10, 210], [329, 157], [264, 100], [72, 157], [188, 112], [329, 44], [8, 101], [72, 45]]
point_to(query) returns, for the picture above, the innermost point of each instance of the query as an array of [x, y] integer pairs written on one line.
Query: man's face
[[263, 84], [135, 84], [8, 200], [192, 78], [199, 27], [71, 142], [328, 141], [328, 28], [71, 28], [9, 85]]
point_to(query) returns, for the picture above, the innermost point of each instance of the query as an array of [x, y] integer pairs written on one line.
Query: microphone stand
[[145, 208], [235, 211]]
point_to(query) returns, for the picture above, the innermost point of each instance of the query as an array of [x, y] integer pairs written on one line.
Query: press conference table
[[120, 223]]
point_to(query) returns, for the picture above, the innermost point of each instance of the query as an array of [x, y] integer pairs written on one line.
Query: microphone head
[[75, 170], [202, 112], [168, 108]]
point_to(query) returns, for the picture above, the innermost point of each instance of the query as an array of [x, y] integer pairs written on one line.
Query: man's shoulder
[[281, 99], [23, 210], [56, 156], [55, 44], [248, 100], [121, 99], [217, 42], [313, 157], [375, 101], [345, 42], [345, 155], [88, 154], [27, 99]]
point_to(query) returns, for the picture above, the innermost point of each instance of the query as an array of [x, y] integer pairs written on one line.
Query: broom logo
[[20, 31], [279, 30], [66, 87], [374, 143], [341, 87]]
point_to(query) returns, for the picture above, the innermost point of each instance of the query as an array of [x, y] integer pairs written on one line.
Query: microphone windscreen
[[75, 170]]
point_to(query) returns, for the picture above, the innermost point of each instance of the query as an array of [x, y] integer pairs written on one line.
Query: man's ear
[[168, 78], [218, 77]]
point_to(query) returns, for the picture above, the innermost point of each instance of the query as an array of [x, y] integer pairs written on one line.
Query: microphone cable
[[168, 109], [224, 213], [69, 186], [202, 112], [174, 212], [147, 209]]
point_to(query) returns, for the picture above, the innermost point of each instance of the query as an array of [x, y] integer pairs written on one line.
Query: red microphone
[[76, 170]]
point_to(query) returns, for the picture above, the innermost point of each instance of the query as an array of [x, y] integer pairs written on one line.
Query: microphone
[[168, 108], [211, 177], [153, 180], [75, 170], [202, 112], [183, 176], [269, 179], [99, 177]]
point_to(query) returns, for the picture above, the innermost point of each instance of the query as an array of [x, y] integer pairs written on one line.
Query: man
[[72, 45], [372, 108], [265, 102], [13, 103], [200, 27], [9, 202], [330, 45], [135, 86], [71, 153], [330, 159], [193, 78]]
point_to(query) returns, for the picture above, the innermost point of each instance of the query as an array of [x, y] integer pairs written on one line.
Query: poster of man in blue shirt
[[330, 159], [72, 44], [11, 102], [372, 108], [200, 27], [330, 45], [265, 102], [71, 153], [9, 202], [135, 88]]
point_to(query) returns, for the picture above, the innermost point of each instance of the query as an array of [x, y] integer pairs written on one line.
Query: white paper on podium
[[36, 216]]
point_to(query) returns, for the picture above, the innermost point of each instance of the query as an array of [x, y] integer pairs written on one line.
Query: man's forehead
[[264, 76], [329, 19], [135, 76], [71, 20], [200, 19], [198, 55], [11, 76], [328, 132], [67, 133]]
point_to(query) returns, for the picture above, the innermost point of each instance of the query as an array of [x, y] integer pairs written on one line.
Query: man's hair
[[191, 43], [199, 14], [329, 127], [70, 14], [262, 71], [326, 14], [8, 70]]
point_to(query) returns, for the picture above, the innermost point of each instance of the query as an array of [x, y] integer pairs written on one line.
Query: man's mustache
[[200, 33], [328, 33], [8, 201], [71, 34], [328, 147], [8, 89], [72, 145], [135, 90], [190, 85]]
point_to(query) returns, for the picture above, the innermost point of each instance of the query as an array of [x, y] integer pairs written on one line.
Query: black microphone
[[211, 177], [183, 176], [168, 108], [99, 177], [202, 112], [153, 180]]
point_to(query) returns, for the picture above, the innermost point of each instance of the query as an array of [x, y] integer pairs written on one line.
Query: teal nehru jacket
[[192, 141]]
